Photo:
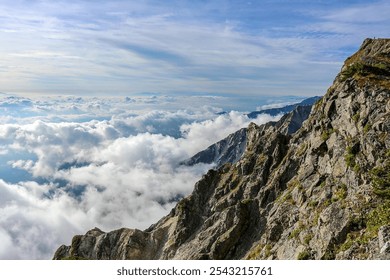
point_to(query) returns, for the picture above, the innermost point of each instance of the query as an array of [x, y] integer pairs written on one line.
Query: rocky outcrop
[[322, 192], [231, 148]]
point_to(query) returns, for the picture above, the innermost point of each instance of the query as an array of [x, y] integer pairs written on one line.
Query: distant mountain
[[228, 149], [231, 148], [322, 192], [284, 110]]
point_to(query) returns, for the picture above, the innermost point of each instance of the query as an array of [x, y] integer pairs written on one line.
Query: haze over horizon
[[181, 47]]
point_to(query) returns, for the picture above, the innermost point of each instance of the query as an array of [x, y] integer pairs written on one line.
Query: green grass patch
[[326, 134], [380, 180], [296, 231], [305, 255]]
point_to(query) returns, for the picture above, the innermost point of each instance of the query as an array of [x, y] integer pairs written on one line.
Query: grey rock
[[384, 239], [228, 150]]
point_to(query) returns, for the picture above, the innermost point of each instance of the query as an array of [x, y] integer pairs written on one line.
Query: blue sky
[[241, 48]]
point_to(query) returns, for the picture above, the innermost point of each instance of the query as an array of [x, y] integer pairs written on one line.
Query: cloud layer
[[110, 173]]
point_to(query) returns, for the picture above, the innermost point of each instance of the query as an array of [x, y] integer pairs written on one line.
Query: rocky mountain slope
[[322, 192], [231, 148]]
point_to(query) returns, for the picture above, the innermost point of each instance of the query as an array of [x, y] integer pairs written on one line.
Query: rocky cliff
[[322, 192], [229, 149]]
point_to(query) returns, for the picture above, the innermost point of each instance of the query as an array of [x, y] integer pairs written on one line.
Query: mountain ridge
[[322, 192], [231, 148], [285, 109]]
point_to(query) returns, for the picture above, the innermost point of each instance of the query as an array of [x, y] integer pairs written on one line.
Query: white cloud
[[106, 173], [200, 135], [168, 51]]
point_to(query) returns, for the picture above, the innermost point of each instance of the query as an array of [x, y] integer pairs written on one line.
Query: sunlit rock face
[[322, 192]]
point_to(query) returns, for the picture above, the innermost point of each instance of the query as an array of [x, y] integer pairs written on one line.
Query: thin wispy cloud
[[234, 47]]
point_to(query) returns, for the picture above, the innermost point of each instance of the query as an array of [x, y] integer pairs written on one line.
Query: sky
[[221, 47]]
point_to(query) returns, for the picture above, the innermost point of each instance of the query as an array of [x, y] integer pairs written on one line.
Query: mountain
[[286, 109], [231, 148], [322, 192]]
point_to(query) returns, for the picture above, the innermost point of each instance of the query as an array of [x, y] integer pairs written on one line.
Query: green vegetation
[[355, 68], [378, 217], [307, 238], [305, 255], [364, 228], [356, 168], [370, 224], [356, 117], [367, 128], [359, 69], [380, 180], [255, 252], [297, 231], [313, 203], [350, 240], [350, 157], [246, 201], [329, 254], [326, 134], [267, 250], [287, 198], [340, 193], [316, 218], [327, 203]]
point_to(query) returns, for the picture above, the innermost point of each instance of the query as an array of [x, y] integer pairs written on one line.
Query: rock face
[[231, 148], [322, 192]]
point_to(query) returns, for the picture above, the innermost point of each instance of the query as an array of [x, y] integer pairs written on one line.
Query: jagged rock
[[322, 192], [229, 149]]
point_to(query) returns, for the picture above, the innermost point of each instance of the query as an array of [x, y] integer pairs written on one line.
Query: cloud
[[200, 135], [119, 172], [30, 224], [223, 46]]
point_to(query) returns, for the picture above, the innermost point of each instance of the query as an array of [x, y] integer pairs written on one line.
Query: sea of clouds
[[69, 164]]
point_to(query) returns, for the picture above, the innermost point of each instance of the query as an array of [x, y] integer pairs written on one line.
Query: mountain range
[[317, 189]]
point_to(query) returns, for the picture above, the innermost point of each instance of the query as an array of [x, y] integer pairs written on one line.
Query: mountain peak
[[370, 64]]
